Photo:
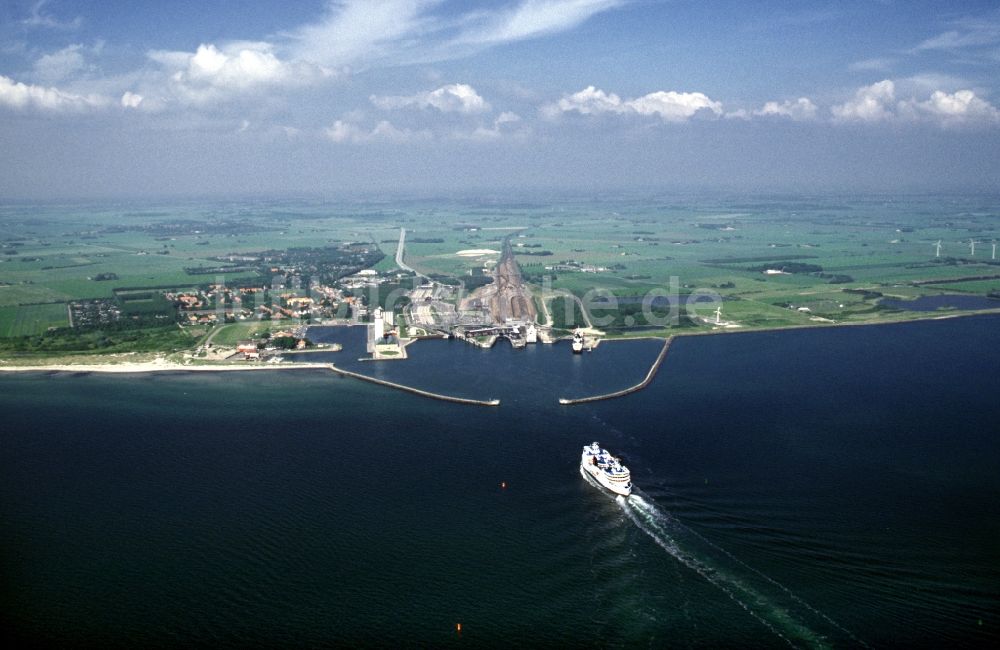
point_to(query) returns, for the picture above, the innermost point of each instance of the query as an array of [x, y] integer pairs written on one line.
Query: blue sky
[[226, 98]]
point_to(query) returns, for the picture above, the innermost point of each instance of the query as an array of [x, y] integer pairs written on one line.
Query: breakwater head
[[415, 391], [632, 389]]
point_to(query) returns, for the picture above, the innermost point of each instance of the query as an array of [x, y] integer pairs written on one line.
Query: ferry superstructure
[[577, 342], [606, 469]]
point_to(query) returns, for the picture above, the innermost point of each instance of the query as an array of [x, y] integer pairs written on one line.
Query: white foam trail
[[643, 504], [774, 617]]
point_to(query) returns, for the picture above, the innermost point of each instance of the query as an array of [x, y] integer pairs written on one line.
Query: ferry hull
[[605, 470], [598, 477]]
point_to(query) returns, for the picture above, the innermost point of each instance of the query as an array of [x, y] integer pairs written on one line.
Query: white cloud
[[958, 107], [945, 41], [238, 69], [349, 34], [588, 101], [359, 33], [507, 118], [342, 131], [533, 18], [384, 131], [670, 106], [360, 30], [800, 110], [460, 98], [872, 103], [502, 125], [971, 33], [60, 64], [131, 100], [239, 66], [39, 18], [212, 74], [877, 103], [21, 96], [973, 38], [673, 106]]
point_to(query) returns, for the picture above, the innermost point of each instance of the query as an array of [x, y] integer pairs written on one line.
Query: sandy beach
[[158, 365]]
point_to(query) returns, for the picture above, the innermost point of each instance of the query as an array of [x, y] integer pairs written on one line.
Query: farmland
[[773, 261], [819, 252], [25, 320]]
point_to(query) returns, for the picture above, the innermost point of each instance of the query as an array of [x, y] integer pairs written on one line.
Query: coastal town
[[228, 289], [502, 309]]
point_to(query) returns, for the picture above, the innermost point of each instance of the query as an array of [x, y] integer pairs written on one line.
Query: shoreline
[[894, 321], [155, 366], [805, 326], [160, 365]]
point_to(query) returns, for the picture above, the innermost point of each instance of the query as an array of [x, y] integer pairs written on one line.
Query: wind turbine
[[994, 249], [937, 246], [972, 246], [718, 315]]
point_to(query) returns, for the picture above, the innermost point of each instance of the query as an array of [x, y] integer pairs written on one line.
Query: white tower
[[379, 325], [718, 315], [972, 247], [994, 250], [937, 247]]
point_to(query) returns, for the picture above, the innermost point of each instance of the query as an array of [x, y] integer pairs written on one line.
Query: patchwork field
[[774, 262]]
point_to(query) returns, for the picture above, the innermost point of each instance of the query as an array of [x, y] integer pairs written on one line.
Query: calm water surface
[[816, 488], [933, 303]]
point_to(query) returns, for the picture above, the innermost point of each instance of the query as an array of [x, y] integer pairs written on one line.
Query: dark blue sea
[[812, 488]]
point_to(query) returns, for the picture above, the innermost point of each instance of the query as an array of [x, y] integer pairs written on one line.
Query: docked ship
[[606, 469], [577, 342]]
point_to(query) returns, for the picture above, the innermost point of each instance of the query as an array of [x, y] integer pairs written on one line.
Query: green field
[[28, 320], [723, 246], [231, 334], [67, 342], [711, 245]]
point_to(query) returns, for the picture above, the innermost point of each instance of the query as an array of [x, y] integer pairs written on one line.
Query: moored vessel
[[606, 469], [577, 342]]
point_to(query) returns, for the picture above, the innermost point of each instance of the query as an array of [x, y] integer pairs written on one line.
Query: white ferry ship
[[606, 469], [577, 342]]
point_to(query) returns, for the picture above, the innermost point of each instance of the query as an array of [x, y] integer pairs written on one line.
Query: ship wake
[[773, 605]]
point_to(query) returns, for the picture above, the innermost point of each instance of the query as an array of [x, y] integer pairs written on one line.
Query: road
[[562, 293], [399, 256]]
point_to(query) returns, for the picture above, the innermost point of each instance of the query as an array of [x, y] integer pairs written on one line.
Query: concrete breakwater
[[415, 391], [626, 391]]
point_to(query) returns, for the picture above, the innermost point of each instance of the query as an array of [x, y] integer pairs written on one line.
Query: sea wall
[[415, 391], [621, 393]]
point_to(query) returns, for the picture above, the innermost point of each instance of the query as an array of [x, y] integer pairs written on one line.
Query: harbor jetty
[[415, 391], [627, 391]]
